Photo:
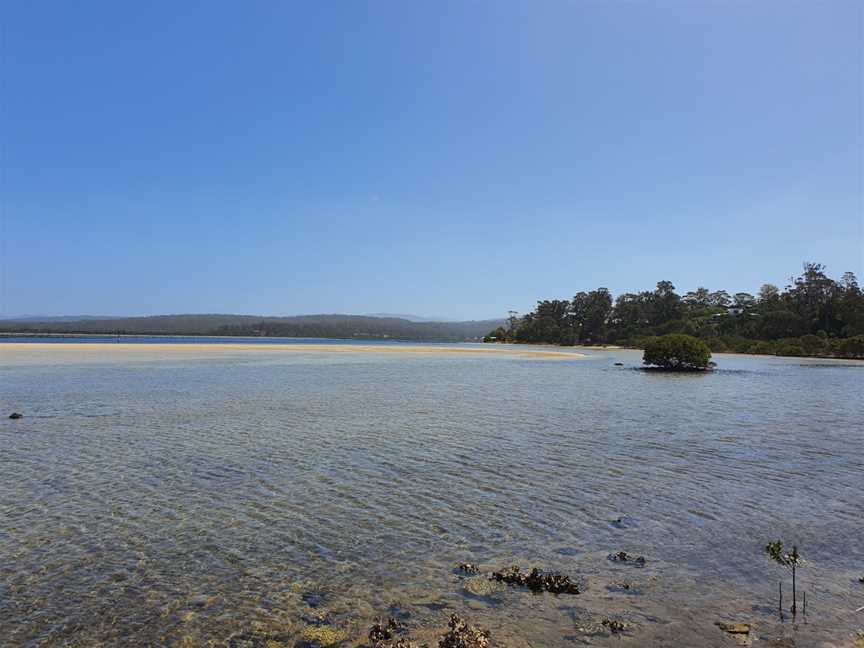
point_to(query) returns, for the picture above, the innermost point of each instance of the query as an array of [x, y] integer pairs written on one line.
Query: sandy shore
[[145, 349]]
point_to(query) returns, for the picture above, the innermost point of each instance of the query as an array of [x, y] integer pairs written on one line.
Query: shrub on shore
[[806, 346], [677, 352]]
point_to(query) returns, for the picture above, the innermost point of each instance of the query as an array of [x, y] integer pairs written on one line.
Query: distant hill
[[53, 318], [321, 326], [410, 318]]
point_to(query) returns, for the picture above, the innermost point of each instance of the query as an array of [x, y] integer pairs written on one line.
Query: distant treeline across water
[[814, 315], [356, 327], [98, 338]]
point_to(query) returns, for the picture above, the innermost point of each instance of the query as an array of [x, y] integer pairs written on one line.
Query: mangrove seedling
[[790, 559]]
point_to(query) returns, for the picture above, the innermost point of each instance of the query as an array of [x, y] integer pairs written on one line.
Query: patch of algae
[[324, 635], [272, 643]]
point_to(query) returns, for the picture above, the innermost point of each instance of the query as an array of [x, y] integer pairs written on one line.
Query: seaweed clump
[[537, 581], [462, 635], [323, 635], [623, 556], [383, 635]]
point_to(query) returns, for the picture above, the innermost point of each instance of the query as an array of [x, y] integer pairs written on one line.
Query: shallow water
[[197, 499]]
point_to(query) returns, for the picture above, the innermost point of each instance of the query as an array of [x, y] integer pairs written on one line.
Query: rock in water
[[469, 568], [482, 586], [16, 415], [537, 581], [614, 625], [461, 635], [623, 556], [383, 635], [734, 628], [323, 636]]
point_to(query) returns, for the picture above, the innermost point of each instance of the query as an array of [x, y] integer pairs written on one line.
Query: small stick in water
[[781, 600]]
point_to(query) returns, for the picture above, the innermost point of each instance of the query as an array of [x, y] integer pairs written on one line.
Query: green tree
[[769, 296], [790, 559], [590, 313], [699, 299], [677, 352], [666, 304]]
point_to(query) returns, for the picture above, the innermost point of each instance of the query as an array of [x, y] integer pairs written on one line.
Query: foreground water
[[232, 498]]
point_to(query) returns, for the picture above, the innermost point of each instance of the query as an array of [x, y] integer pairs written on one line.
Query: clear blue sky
[[443, 158]]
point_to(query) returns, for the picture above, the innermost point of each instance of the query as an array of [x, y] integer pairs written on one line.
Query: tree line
[[814, 315], [311, 326]]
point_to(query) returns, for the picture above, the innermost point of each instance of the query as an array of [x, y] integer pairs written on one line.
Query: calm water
[[234, 498]]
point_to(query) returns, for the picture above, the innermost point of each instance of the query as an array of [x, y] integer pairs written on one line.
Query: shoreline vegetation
[[814, 316], [339, 327]]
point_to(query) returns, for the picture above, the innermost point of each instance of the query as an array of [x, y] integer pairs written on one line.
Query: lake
[[234, 497]]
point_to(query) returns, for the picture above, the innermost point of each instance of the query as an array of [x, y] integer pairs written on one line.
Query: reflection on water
[[236, 499]]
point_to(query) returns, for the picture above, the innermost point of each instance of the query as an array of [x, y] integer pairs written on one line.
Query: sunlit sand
[[10, 350]]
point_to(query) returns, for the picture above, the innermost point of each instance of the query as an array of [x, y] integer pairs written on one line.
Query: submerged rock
[[740, 632], [323, 636], [482, 586], [16, 415], [623, 556], [256, 640], [317, 617], [624, 587], [597, 626], [315, 597], [537, 581], [734, 628], [462, 635]]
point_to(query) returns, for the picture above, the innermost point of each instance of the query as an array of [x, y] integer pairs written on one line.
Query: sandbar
[[144, 349]]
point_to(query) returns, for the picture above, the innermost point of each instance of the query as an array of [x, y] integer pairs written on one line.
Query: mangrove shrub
[[677, 352]]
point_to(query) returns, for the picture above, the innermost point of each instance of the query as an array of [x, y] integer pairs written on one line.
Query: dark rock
[[16, 415], [381, 632], [537, 581], [614, 626], [461, 635], [623, 556], [469, 568]]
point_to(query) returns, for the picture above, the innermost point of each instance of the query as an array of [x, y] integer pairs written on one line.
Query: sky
[[453, 159]]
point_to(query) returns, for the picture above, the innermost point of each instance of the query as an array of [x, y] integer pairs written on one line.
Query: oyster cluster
[[537, 581]]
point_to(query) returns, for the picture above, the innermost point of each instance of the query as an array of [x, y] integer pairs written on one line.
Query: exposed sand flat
[[142, 350]]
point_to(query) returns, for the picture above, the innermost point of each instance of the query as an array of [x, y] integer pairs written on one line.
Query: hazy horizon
[[452, 159]]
